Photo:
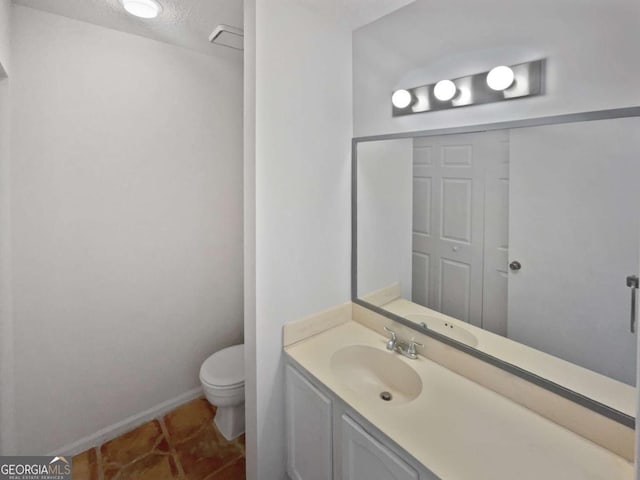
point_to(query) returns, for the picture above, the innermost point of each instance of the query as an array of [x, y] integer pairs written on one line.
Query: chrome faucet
[[408, 349], [391, 344]]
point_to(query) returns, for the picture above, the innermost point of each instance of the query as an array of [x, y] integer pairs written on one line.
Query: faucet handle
[[411, 350], [391, 344]]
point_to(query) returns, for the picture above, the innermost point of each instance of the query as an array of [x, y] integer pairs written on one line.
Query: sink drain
[[386, 396]]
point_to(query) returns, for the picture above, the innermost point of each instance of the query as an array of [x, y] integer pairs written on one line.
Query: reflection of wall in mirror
[[574, 226], [384, 216]]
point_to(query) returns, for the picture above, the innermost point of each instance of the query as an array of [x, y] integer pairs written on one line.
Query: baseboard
[[117, 429]]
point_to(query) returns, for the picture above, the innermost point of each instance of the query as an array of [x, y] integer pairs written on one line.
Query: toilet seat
[[222, 388], [224, 370]]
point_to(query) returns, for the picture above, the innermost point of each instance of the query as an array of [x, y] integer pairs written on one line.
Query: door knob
[[633, 282], [515, 265]]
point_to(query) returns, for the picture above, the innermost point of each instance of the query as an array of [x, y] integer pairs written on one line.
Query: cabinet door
[[365, 458], [309, 432]]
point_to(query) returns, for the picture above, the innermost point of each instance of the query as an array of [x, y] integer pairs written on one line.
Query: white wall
[[127, 230], [6, 321], [577, 241], [302, 220], [589, 46], [385, 206], [249, 258]]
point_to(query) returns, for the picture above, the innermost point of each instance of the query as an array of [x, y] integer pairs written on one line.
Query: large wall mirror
[[516, 241]]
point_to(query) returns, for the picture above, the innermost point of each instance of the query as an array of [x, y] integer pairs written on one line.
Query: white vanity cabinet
[[309, 429], [365, 458], [326, 440]]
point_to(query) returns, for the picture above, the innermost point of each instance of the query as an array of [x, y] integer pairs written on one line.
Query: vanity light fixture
[[401, 98], [445, 90], [500, 78], [142, 8], [504, 82]]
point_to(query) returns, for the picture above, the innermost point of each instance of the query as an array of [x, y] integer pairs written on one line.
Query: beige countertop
[[458, 429]]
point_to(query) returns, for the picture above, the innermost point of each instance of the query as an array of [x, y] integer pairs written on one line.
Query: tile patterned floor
[[184, 445]]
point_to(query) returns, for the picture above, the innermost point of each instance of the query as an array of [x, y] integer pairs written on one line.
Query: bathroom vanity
[[429, 422], [327, 439]]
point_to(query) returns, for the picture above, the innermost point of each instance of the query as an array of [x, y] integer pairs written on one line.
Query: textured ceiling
[[188, 23]]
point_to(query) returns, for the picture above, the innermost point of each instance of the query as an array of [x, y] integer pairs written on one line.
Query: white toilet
[[222, 378]]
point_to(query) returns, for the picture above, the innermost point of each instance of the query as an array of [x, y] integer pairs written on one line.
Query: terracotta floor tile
[[186, 420], [145, 439], [150, 467], [85, 465], [198, 451], [240, 442], [206, 453], [234, 471]]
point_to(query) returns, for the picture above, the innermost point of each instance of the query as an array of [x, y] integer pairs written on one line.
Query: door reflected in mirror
[[528, 233]]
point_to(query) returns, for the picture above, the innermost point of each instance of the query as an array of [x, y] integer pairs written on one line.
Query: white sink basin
[[375, 373], [446, 328]]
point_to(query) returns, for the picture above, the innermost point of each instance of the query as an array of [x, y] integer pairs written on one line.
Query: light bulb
[[445, 90], [142, 8], [500, 78], [401, 98]]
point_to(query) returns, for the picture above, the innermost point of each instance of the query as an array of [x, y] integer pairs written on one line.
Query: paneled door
[[496, 233], [449, 183]]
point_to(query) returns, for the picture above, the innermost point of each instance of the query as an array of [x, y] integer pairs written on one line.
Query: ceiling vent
[[228, 36]]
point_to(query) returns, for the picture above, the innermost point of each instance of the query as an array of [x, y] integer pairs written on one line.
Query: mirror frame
[[545, 383]]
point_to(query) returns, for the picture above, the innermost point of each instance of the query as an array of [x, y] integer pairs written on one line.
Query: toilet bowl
[[222, 378]]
